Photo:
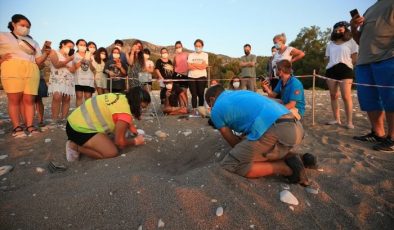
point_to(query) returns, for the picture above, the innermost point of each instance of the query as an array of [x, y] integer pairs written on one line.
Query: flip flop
[[299, 174], [18, 132]]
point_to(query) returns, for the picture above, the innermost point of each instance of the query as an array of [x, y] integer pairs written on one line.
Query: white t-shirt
[[84, 75], [341, 53], [9, 44], [286, 55], [197, 58]]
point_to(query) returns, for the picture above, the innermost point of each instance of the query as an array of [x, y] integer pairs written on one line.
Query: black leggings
[[197, 89]]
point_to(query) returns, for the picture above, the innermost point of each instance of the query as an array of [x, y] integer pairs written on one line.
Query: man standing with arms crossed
[[248, 69]]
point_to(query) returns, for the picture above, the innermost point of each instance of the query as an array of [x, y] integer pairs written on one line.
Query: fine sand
[[178, 181]]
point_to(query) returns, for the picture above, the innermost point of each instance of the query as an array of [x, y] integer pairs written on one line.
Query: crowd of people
[[261, 130]]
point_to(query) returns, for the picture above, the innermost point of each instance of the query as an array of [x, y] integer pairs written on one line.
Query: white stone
[[219, 211], [312, 190], [285, 186], [47, 140], [196, 146], [160, 224], [161, 134], [2, 157], [187, 132], [287, 197], [140, 132], [252, 226], [123, 155], [22, 163], [214, 201], [40, 170], [217, 154]]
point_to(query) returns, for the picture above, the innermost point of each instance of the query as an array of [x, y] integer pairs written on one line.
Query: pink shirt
[[181, 62]]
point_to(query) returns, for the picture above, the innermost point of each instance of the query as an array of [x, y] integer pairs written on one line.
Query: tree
[[313, 42]]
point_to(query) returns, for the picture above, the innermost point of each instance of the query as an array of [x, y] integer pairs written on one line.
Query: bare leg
[[14, 104], [40, 110], [346, 92], [334, 95], [183, 99], [28, 102], [97, 147], [56, 100], [87, 95], [390, 124], [79, 98], [260, 169], [377, 122], [65, 106]]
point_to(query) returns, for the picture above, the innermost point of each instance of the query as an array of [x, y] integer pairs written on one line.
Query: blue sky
[[224, 25]]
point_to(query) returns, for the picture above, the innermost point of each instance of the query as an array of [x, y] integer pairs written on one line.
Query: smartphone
[[71, 52], [354, 13], [87, 55], [47, 44]]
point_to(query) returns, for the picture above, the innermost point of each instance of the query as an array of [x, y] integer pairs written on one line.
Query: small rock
[[2, 132], [2, 157], [187, 132], [196, 146], [252, 226], [312, 190], [219, 211], [110, 193], [218, 154], [285, 186], [287, 197], [5, 169], [307, 203], [140, 132], [34, 194], [22, 163], [161, 134], [158, 164], [214, 201], [45, 217], [106, 165], [123, 155], [380, 213], [160, 224], [140, 227], [47, 140], [4, 179], [40, 170]]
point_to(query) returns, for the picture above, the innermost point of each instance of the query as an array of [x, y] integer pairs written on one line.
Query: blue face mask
[[278, 45]]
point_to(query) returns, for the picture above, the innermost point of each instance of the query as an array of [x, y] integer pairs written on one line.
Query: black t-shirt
[[166, 69]]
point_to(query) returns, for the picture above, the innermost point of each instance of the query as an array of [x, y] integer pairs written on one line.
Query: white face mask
[[236, 84], [66, 49], [178, 50], [165, 55], [92, 49], [102, 56], [82, 48], [198, 49], [116, 56], [146, 56], [273, 53], [169, 86], [22, 31]]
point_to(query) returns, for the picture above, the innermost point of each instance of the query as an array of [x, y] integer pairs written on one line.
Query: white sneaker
[[71, 154]]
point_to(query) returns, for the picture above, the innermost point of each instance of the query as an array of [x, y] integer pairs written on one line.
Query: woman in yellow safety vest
[[88, 125]]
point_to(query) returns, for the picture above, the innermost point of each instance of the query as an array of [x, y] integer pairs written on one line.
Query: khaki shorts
[[274, 145], [20, 76]]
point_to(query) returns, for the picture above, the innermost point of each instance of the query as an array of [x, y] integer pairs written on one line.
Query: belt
[[280, 120]]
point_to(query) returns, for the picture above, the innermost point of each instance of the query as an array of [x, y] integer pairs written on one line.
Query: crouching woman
[[88, 126]]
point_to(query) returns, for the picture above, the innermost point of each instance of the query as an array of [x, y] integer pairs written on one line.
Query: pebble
[[214, 201], [110, 193], [40, 170], [161, 134], [287, 197], [307, 203], [160, 224], [219, 211], [47, 140], [140, 132], [218, 154], [140, 227], [196, 146], [22, 163], [187, 132], [285, 186], [123, 155], [106, 165], [4, 179], [312, 190], [252, 226], [380, 213], [45, 217], [2, 157], [34, 194]]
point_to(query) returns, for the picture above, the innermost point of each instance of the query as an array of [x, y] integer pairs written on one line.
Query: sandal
[[18, 132], [299, 174], [32, 130]]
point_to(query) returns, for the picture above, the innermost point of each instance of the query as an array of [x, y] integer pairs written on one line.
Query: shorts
[[77, 137], [20, 76], [274, 145], [42, 89], [84, 88], [376, 98], [340, 72], [182, 84], [101, 81]]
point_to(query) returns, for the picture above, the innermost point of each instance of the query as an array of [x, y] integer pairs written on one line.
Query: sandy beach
[[177, 183]]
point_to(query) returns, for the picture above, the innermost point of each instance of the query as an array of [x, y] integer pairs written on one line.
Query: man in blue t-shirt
[[271, 132], [290, 89]]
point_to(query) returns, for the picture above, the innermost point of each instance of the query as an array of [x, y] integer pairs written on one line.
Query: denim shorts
[[376, 98]]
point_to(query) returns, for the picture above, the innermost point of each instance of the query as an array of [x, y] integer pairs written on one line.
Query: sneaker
[[370, 137], [386, 146], [71, 154]]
